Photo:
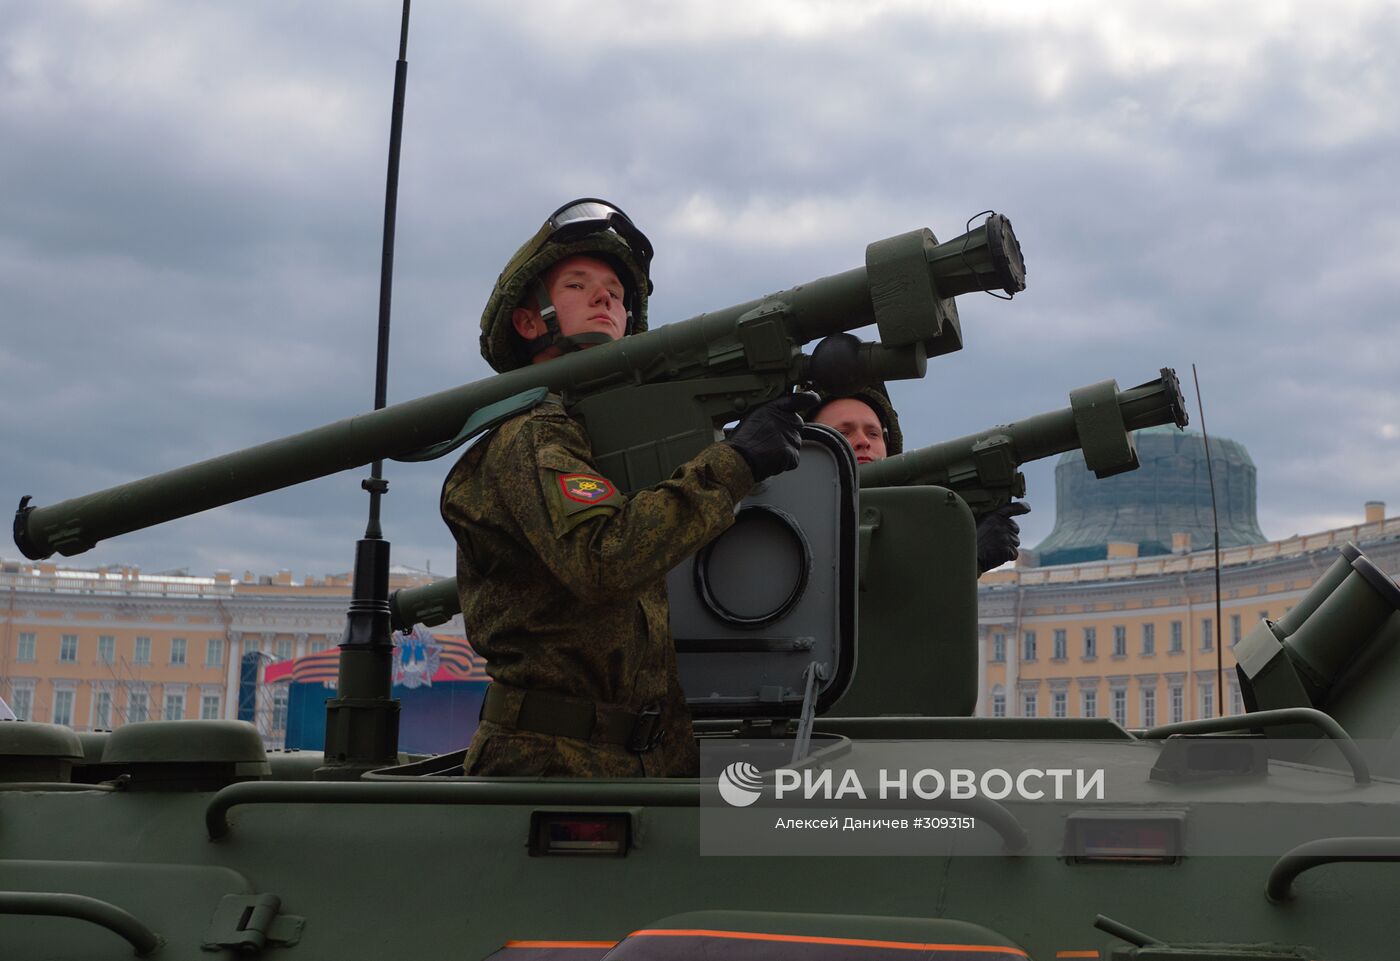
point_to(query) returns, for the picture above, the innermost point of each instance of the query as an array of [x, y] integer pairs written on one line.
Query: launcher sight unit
[[650, 402]]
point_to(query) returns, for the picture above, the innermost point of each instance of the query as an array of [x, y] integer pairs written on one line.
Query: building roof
[[1127, 568], [1169, 494]]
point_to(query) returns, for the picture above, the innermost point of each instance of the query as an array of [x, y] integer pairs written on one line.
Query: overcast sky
[[192, 198]]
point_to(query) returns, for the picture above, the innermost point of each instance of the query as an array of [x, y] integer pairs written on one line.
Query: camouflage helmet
[[589, 227], [877, 398]]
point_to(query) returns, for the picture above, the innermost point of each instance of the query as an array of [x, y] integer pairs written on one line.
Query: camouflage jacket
[[563, 585]]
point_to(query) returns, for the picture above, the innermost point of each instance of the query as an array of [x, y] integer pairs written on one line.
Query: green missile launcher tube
[[981, 468], [650, 401], [429, 605]]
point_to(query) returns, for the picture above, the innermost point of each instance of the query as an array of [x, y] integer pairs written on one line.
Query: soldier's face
[[588, 298], [857, 423]]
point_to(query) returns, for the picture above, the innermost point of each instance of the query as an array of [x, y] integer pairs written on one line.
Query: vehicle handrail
[[143, 940], [1312, 854]]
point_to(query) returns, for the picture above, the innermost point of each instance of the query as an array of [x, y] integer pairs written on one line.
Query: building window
[[1059, 704], [1207, 634], [1028, 648], [1234, 629], [1061, 645], [1149, 707], [179, 647], [1091, 642], [284, 649], [1090, 704], [142, 653], [1149, 638], [1207, 699], [1120, 640], [214, 652], [68, 654], [999, 648], [998, 705], [63, 707], [209, 707], [1120, 707], [106, 649], [28, 643], [1236, 701], [1177, 694], [102, 711], [1028, 704], [1176, 642], [279, 708], [318, 646], [174, 706], [138, 706], [22, 702]]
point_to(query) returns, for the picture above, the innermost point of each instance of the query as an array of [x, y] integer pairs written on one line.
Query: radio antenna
[[362, 721], [376, 485], [1215, 525]]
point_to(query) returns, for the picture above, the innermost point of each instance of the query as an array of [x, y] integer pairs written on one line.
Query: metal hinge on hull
[[250, 922]]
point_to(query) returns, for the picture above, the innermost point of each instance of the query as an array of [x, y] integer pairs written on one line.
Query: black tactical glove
[[769, 437], [998, 536]]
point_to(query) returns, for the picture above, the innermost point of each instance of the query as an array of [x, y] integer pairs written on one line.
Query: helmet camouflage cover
[[500, 345]]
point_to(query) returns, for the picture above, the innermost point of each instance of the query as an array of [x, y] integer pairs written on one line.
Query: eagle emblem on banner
[[416, 657]]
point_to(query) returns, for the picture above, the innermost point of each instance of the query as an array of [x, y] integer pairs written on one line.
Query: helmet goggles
[[588, 215]]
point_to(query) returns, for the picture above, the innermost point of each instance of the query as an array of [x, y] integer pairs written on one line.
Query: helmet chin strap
[[550, 316], [553, 337]]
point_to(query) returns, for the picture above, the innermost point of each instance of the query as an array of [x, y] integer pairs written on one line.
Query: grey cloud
[[189, 260]]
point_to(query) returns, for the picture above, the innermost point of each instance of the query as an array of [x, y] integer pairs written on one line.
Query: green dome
[[1169, 493]]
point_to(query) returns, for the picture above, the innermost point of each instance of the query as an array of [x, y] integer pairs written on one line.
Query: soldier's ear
[[527, 323]]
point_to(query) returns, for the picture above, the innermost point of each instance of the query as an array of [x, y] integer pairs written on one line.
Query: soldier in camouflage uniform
[[870, 425], [562, 577]]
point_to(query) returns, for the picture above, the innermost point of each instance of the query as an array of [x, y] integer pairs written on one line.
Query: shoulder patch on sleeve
[[573, 489], [586, 488], [574, 498]]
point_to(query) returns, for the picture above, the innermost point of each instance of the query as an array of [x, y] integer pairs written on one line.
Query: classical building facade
[[1137, 639], [95, 649]]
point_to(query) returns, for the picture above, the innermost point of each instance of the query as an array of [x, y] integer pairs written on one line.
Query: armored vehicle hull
[[440, 866]]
